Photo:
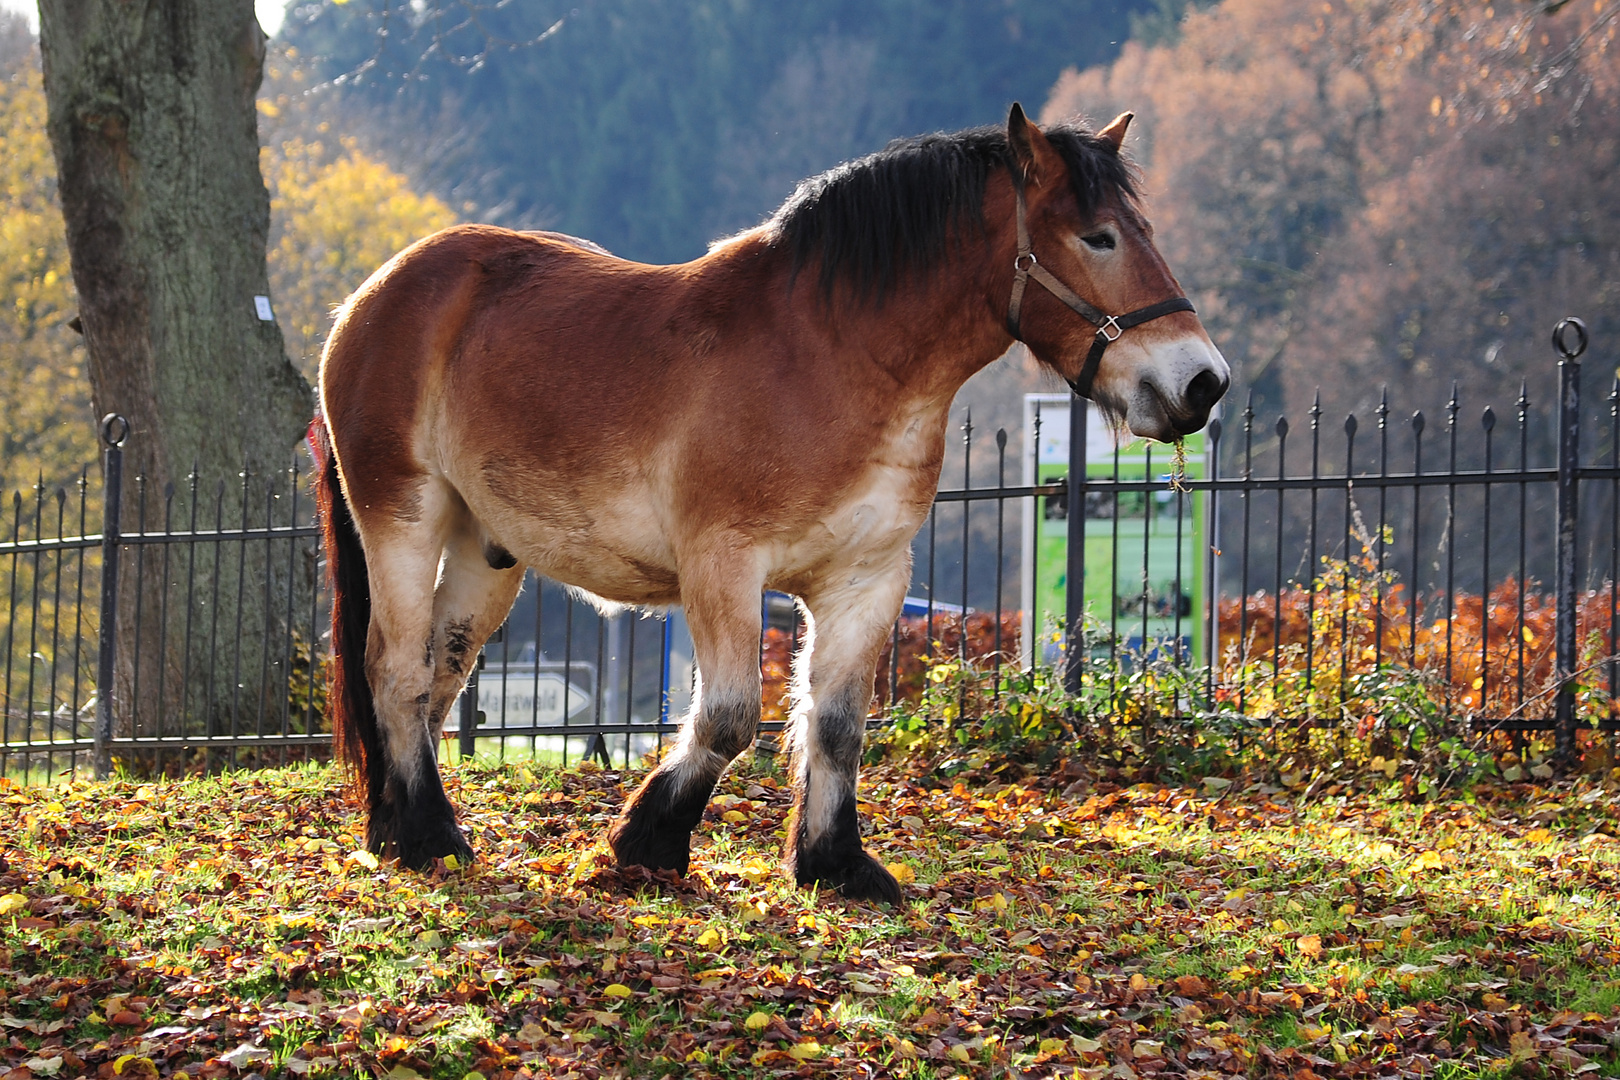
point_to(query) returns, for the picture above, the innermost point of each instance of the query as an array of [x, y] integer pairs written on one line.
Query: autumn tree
[[152, 121], [1361, 192], [48, 434], [339, 213]]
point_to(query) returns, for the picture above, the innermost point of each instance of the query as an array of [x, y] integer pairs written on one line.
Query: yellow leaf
[[1428, 860], [961, 1053], [1053, 1046], [1310, 945], [1538, 836], [734, 817], [11, 903], [709, 937], [618, 990], [757, 1021], [452, 863], [363, 858], [808, 1050], [904, 874]]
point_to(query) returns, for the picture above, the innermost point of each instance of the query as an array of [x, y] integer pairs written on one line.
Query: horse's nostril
[[1204, 391]]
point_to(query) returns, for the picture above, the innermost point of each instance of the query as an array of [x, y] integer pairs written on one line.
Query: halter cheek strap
[[1109, 327]]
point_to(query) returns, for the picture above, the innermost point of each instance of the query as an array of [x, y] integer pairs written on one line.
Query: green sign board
[[1144, 558]]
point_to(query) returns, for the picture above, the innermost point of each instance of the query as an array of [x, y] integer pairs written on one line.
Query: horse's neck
[[934, 335]]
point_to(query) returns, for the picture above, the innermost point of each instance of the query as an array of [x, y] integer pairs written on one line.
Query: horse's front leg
[[722, 600], [833, 674]]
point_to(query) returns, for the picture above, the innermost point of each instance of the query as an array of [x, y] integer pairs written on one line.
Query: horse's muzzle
[[1198, 397]]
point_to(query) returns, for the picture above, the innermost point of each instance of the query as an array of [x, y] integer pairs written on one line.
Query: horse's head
[[1091, 295]]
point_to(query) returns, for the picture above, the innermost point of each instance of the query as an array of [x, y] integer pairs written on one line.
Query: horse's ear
[[1115, 132], [1022, 137]]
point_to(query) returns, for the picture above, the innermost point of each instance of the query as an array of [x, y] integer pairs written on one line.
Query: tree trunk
[[154, 127]]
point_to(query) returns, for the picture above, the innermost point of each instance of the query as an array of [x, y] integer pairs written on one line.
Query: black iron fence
[[1283, 578], [1455, 576]]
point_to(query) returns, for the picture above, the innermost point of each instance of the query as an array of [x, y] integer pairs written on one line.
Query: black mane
[[892, 213]]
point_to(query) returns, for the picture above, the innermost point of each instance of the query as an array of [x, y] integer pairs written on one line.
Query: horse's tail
[[348, 701]]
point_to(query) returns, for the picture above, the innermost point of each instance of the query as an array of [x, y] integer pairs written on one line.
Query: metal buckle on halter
[[1113, 324], [1018, 262]]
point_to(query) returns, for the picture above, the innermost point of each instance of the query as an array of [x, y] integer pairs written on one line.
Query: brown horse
[[769, 416]]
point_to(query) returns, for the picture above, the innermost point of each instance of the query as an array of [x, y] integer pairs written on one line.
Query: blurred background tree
[[1370, 192], [48, 432], [654, 127], [337, 213]]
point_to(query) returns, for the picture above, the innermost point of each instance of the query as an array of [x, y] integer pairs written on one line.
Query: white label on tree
[[261, 304]]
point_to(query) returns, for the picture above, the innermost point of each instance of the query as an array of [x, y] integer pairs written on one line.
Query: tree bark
[[153, 124]]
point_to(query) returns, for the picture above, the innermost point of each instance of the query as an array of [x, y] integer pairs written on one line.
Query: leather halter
[[1109, 327]]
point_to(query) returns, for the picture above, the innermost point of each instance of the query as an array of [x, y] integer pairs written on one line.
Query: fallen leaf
[[1428, 860], [362, 858], [245, 1055]]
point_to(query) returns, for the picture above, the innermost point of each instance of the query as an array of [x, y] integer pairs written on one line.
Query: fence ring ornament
[[1560, 332], [114, 430]]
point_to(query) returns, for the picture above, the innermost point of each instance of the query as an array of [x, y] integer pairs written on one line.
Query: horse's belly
[[615, 551]]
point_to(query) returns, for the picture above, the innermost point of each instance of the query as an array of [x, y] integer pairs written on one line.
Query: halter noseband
[[1109, 327]]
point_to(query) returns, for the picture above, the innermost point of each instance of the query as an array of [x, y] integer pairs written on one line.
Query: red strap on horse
[[1109, 327]]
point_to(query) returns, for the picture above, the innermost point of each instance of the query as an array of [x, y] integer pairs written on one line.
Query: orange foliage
[[1486, 659], [1359, 192], [917, 654]]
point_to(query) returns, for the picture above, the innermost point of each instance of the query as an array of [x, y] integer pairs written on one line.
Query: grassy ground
[[227, 926]]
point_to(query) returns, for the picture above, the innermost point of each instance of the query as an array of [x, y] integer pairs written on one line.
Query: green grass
[[224, 925]]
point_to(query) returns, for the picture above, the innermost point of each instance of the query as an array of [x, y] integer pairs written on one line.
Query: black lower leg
[[655, 828], [835, 859], [414, 821]]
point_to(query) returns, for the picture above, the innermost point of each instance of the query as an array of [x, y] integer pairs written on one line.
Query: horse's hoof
[[860, 877], [655, 828], [417, 853], [415, 843], [637, 841]]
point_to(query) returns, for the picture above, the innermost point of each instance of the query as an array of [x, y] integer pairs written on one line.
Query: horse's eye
[[1099, 241]]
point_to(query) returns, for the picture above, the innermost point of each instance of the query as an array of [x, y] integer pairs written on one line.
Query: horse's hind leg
[[477, 583], [723, 611], [411, 817], [847, 625]]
